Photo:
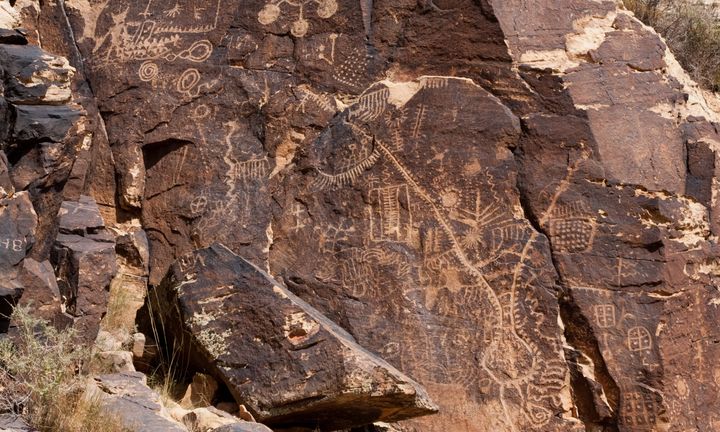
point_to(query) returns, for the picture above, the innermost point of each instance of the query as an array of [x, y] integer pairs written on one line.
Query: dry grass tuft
[[40, 379], [691, 31]]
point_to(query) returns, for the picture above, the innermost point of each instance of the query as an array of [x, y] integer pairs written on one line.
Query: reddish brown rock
[[280, 357], [243, 427], [127, 396], [6, 186], [41, 293], [18, 224], [84, 260], [512, 202]]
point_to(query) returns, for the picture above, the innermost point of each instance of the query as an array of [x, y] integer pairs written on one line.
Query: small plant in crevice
[[172, 366], [41, 379]]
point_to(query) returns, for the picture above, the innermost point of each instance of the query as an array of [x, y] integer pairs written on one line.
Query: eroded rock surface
[[84, 259], [18, 224], [279, 356], [512, 202], [137, 406]]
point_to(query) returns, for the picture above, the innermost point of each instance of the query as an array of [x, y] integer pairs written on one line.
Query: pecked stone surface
[[280, 357], [633, 228], [513, 202]]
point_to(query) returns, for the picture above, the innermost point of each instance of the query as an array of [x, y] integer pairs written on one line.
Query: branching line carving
[[347, 177]]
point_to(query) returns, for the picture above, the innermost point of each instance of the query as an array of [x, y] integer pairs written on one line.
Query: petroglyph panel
[[639, 410], [571, 227], [295, 11], [349, 148], [437, 235]]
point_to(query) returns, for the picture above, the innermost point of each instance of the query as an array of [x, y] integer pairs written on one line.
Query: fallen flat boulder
[[289, 364]]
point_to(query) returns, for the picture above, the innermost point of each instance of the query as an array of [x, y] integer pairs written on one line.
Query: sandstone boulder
[[9, 17], [112, 362], [280, 357], [207, 419], [34, 79], [200, 392], [41, 292], [243, 427], [138, 407], [18, 223], [6, 186], [84, 260], [12, 37]]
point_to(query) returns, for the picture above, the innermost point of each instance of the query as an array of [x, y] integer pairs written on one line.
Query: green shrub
[[41, 379], [691, 31]]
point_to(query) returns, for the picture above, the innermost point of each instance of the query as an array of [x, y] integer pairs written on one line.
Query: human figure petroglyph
[[241, 169], [198, 205], [300, 216], [273, 10]]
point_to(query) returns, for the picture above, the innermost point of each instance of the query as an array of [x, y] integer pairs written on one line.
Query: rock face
[[279, 356], [84, 260], [18, 223], [512, 202]]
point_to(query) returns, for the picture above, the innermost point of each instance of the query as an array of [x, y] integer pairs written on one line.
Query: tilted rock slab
[[279, 356]]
